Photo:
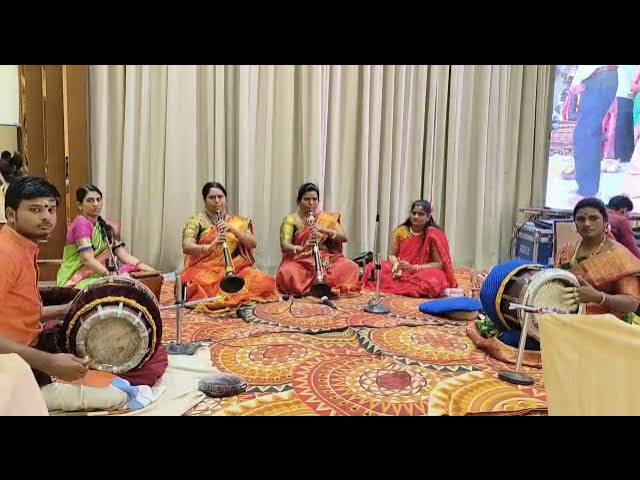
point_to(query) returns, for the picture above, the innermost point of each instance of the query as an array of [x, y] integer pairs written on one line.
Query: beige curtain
[[496, 155], [471, 138]]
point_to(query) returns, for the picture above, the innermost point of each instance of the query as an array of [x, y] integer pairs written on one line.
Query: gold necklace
[[591, 254]]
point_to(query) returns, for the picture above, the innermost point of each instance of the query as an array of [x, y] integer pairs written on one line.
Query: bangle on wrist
[[604, 298]]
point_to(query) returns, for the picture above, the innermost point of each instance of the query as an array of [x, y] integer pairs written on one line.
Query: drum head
[[115, 338], [116, 323], [545, 289]]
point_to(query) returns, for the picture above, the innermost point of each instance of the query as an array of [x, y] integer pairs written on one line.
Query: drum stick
[[532, 309]]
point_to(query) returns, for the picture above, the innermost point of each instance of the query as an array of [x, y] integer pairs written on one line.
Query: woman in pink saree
[[89, 239]]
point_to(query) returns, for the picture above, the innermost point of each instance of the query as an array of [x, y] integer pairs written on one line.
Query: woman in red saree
[[297, 271], [202, 239], [607, 271], [419, 262]]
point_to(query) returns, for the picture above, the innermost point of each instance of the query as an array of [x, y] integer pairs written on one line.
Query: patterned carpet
[[304, 358]]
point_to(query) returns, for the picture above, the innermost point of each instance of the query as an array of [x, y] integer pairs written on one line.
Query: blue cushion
[[448, 305]]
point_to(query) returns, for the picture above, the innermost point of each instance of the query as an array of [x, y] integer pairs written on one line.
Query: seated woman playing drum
[[607, 271], [203, 238], [89, 239], [603, 276], [298, 272], [419, 262]]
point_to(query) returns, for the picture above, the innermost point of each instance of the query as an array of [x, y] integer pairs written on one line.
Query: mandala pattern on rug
[[479, 392], [425, 345], [270, 405], [302, 315], [267, 361], [363, 385]]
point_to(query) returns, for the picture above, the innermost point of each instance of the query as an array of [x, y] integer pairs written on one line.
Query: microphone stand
[[515, 376], [375, 306], [372, 277], [177, 347]]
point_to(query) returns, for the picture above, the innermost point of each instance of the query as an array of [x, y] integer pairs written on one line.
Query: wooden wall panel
[[55, 141], [32, 118], [75, 83], [54, 158]]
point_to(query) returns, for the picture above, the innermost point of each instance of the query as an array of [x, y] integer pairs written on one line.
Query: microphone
[[244, 313], [325, 300]]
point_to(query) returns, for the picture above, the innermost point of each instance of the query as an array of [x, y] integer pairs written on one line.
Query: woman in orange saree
[[419, 262], [607, 271], [202, 238], [297, 271]]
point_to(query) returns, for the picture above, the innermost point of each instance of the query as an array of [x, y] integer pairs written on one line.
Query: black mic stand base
[[175, 348], [320, 290], [376, 308], [515, 378]]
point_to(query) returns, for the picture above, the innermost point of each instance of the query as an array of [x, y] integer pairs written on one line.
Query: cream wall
[[9, 95], [8, 138]]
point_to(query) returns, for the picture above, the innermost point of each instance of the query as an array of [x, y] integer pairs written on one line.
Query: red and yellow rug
[[305, 358]]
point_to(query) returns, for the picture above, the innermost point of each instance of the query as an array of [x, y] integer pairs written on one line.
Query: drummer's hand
[[64, 308], [146, 268], [67, 367], [585, 293]]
